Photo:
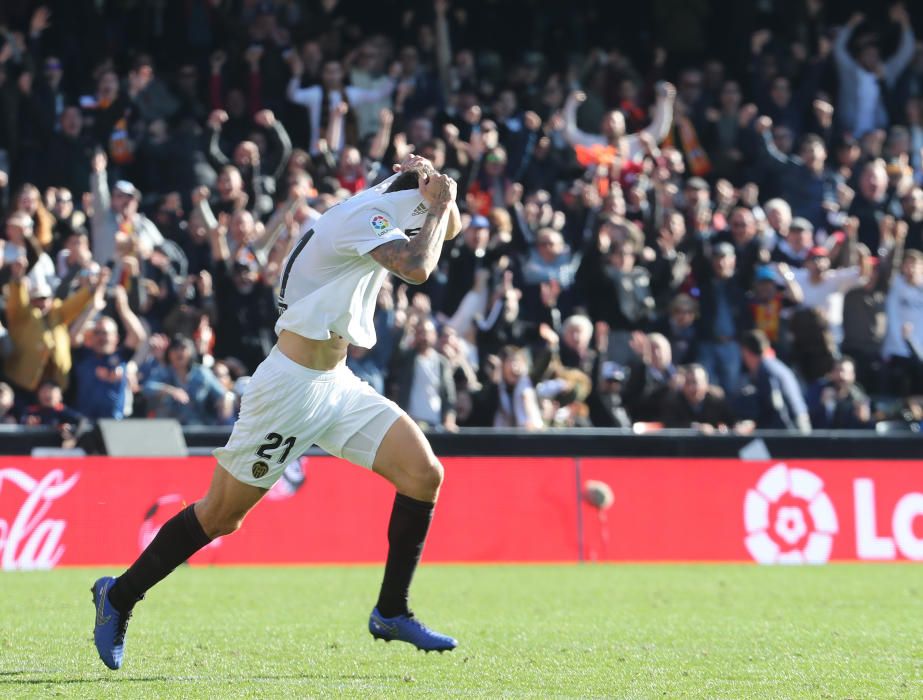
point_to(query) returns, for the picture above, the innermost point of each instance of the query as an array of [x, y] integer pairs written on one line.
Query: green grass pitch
[[590, 631]]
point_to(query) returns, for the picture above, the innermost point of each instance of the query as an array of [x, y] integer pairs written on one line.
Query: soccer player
[[303, 394]]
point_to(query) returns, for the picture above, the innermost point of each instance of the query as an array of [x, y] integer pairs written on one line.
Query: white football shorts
[[286, 408]]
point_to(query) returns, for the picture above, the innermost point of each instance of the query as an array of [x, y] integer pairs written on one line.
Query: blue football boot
[[406, 628], [109, 630]]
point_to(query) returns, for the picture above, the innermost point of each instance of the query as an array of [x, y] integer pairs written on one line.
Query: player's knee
[[227, 524], [217, 522], [429, 477]]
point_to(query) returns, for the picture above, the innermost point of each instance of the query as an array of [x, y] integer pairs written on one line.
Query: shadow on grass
[[179, 679]]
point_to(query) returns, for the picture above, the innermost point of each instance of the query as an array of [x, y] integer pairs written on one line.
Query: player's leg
[[275, 418], [220, 512], [374, 432], [406, 459]]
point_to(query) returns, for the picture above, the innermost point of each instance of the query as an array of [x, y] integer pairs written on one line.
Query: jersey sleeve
[[368, 228]]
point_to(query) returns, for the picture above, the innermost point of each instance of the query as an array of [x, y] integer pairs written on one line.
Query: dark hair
[[755, 341], [180, 341], [407, 180]]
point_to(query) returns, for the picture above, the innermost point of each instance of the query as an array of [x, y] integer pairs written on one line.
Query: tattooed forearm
[[414, 260]]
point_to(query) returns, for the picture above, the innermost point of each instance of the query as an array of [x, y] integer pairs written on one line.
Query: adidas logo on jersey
[[421, 208]]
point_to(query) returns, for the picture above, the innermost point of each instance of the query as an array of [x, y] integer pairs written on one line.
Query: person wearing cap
[[721, 315], [798, 240], [245, 303], [823, 288], [766, 302], [38, 325], [116, 212], [467, 254]]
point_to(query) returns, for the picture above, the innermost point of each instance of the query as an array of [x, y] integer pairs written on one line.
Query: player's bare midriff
[[315, 354]]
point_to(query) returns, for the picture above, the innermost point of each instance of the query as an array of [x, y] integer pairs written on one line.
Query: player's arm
[[454, 227], [414, 260]]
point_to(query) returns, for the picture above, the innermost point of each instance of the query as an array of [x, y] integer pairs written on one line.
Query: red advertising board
[[801, 511], [101, 511]]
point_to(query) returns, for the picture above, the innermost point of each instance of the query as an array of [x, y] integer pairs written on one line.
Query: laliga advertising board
[[101, 511]]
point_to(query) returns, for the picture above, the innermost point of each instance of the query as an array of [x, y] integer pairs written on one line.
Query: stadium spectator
[[650, 377], [575, 350], [49, 410], [678, 326], [696, 404], [7, 399], [183, 389], [516, 401], [903, 341], [774, 399], [805, 183], [426, 386], [245, 302], [38, 325], [103, 367], [116, 213], [838, 402], [872, 202], [767, 303], [795, 240], [200, 120], [823, 288], [721, 316], [865, 80], [68, 153]]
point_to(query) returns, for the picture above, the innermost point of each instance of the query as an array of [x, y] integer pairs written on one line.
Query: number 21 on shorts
[[273, 442]]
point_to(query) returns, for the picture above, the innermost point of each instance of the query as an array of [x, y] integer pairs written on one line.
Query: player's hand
[[438, 189], [412, 161]]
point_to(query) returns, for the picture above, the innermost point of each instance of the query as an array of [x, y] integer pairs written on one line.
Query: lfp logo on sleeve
[[380, 224]]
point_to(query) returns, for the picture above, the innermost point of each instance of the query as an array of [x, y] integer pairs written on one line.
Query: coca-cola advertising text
[[101, 511]]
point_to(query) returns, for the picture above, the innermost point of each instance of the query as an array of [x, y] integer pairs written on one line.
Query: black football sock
[[179, 538], [407, 530]]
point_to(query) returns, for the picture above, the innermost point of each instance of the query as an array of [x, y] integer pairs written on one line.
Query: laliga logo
[[789, 518], [30, 541]]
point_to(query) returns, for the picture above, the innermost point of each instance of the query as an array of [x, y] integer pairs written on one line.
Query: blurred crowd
[[655, 235]]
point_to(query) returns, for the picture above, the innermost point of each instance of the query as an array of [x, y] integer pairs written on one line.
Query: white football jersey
[[329, 282]]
